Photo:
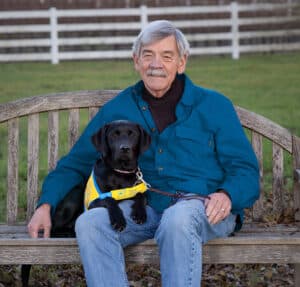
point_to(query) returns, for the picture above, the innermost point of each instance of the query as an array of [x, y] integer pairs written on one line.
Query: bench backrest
[[277, 150]]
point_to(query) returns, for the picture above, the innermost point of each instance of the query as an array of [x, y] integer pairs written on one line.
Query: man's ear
[[136, 62], [145, 140], [99, 140]]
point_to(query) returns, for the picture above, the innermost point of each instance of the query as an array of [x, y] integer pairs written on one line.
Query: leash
[[177, 195]]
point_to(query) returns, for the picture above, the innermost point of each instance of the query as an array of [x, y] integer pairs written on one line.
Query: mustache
[[156, 73]]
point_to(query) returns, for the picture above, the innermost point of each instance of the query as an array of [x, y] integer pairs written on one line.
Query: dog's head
[[120, 143]]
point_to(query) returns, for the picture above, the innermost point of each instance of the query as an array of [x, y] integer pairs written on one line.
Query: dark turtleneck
[[163, 108]]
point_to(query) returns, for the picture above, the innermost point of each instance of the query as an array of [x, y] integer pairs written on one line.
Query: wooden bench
[[270, 234]]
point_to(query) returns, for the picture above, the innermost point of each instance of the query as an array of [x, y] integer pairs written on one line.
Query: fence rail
[[57, 35]]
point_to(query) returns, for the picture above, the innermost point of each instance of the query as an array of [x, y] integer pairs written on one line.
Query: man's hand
[[41, 220], [217, 207]]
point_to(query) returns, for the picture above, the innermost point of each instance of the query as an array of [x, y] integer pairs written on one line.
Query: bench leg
[[297, 274]]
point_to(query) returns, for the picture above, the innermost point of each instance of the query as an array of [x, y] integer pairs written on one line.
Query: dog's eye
[[129, 133], [117, 133]]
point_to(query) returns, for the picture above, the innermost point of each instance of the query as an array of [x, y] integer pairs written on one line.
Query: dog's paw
[[118, 222], [139, 215]]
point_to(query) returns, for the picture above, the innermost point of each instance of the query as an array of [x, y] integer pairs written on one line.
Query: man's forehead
[[167, 44]]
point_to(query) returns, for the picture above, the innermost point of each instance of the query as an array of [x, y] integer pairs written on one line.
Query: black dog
[[120, 144]]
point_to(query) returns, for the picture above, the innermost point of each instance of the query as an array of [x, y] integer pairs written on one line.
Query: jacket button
[[144, 108], [160, 150], [160, 168]]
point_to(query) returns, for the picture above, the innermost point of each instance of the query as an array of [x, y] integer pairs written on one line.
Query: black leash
[[176, 196], [179, 195]]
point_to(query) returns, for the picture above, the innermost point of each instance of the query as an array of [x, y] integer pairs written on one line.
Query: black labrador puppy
[[120, 144]]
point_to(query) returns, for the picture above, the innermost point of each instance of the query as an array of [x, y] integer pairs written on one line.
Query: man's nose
[[156, 62]]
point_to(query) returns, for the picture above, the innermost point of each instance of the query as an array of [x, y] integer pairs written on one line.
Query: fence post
[[144, 16], [235, 30], [54, 36]]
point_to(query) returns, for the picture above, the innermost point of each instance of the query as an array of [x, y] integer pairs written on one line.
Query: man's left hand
[[217, 207]]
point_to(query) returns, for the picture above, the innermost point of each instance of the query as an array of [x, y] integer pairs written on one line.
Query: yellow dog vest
[[93, 191]]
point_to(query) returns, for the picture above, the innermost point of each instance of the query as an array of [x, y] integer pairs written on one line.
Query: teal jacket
[[203, 151]]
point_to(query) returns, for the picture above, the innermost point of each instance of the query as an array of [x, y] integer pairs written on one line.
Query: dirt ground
[[149, 276]]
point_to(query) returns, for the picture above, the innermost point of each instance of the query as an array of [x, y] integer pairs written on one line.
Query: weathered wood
[[33, 163], [53, 136], [45, 103], [296, 183], [92, 112], [73, 126], [258, 208], [297, 275], [254, 248], [12, 170], [267, 128], [277, 183], [253, 228]]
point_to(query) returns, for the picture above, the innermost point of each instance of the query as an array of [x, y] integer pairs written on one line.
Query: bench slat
[[267, 128], [277, 182], [20, 230], [53, 137], [258, 208], [33, 163], [73, 126], [296, 184], [12, 170], [46, 103], [254, 248], [92, 112]]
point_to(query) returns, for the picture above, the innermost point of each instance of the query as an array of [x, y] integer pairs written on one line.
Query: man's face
[[158, 64]]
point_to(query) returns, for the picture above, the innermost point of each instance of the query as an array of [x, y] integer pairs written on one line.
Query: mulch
[[238, 275]]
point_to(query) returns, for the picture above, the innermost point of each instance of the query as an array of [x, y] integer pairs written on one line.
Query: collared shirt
[[204, 150]]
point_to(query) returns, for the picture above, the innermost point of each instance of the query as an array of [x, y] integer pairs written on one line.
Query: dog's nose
[[125, 149]]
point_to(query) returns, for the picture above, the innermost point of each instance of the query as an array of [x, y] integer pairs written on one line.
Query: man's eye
[[147, 56], [168, 58]]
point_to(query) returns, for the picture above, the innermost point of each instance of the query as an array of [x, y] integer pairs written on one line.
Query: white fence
[[57, 35]]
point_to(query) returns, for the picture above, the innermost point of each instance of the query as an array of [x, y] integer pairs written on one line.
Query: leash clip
[[139, 177]]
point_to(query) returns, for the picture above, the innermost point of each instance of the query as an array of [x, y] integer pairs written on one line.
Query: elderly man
[[198, 148]]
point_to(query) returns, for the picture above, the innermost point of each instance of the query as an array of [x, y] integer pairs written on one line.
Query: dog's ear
[[99, 140], [145, 140]]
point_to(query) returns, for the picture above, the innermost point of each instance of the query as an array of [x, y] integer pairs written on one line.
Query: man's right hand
[[40, 221]]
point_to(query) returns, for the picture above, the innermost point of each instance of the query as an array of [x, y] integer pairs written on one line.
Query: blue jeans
[[179, 232]]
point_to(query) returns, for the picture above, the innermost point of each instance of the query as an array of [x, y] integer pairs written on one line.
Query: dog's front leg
[[138, 213], [115, 213]]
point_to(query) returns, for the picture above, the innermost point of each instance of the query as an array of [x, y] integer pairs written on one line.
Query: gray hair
[[158, 30]]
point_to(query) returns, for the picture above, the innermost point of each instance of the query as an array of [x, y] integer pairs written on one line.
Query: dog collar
[[93, 191], [125, 171]]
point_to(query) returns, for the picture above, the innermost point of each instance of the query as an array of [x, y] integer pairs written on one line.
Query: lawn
[[267, 84]]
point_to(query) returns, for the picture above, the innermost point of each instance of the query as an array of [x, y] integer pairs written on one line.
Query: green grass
[[266, 84]]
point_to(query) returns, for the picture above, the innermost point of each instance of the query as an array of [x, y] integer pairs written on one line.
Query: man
[[198, 147]]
